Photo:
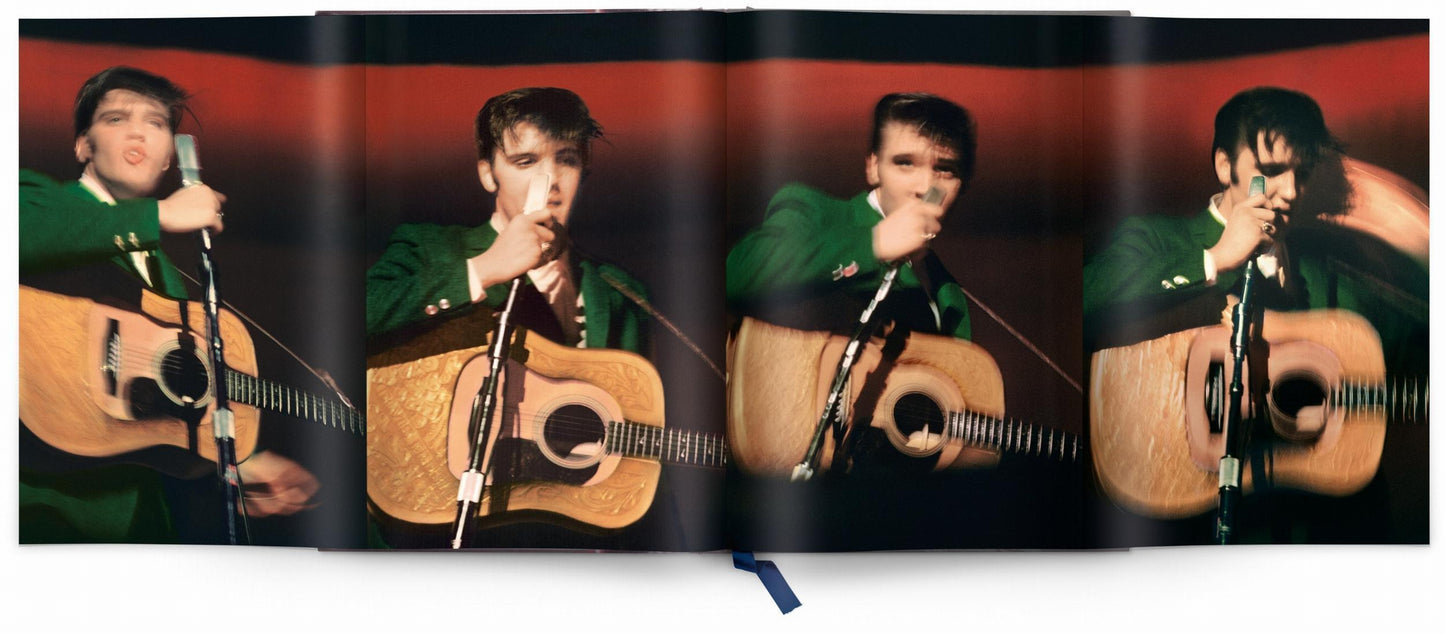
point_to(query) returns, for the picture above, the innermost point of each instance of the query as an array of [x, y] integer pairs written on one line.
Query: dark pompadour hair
[[557, 112], [936, 119], [135, 80], [1279, 114]]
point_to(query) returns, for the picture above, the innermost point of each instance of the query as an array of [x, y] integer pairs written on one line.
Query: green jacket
[[64, 226], [1154, 265], [810, 265], [423, 275]]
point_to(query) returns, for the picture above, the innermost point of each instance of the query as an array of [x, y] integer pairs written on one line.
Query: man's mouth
[[134, 156]]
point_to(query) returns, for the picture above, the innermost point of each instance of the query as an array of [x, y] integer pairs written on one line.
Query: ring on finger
[[1267, 228], [544, 245], [929, 236]]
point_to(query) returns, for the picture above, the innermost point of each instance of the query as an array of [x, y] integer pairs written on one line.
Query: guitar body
[[101, 381], [1155, 453], [418, 412], [779, 378]]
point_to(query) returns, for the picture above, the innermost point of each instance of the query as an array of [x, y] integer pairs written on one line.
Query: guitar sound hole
[[184, 376], [1216, 398], [574, 433], [1293, 393], [1297, 406], [916, 413]]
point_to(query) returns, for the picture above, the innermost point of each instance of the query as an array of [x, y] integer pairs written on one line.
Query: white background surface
[[130, 588]]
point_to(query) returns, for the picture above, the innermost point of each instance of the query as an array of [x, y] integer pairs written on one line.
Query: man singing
[[816, 261], [524, 136], [1161, 274], [1157, 262], [125, 121]]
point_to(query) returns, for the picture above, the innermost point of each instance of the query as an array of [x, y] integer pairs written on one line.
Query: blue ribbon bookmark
[[771, 577]]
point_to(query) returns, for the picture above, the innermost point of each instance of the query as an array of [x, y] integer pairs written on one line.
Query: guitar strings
[[992, 432], [1008, 434], [139, 368], [992, 427]]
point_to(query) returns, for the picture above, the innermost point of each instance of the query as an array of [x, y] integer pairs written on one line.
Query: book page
[[581, 156], [115, 397], [961, 422], [1333, 448]]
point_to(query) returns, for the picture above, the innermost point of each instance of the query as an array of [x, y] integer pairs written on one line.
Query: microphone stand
[[484, 405], [867, 323], [1229, 470], [223, 423]]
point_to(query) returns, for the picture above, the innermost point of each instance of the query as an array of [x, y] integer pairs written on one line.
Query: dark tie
[[533, 312]]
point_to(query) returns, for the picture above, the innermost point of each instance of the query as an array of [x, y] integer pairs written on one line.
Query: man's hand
[[519, 248], [1245, 233], [906, 230], [275, 485], [191, 209]]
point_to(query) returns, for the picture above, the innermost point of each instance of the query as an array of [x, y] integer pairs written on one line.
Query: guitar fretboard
[[1400, 399], [273, 396], [1013, 436], [668, 445]]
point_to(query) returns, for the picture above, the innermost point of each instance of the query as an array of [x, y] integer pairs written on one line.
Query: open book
[[1038, 377]]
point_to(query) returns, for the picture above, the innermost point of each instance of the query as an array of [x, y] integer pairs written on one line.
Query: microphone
[[188, 159], [189, 162], [537, 191], [1251, 268], [934, 195]]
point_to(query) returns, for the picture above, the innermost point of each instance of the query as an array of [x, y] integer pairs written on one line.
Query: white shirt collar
[[873, 202], [1214, 209], [96, 189]]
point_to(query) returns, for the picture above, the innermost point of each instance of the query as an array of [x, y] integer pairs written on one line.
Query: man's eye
[[946, 172], [569, 161]]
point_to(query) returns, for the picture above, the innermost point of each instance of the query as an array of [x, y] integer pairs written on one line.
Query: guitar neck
[[667, 445], [273, 396], [1013, 436], [1401, 399]]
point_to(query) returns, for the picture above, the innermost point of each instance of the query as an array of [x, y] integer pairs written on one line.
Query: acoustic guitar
[[581, 435], [936, 399], [103, 381], [1157, 411]]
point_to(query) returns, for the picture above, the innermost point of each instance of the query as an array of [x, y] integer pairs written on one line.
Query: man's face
[[128, 145], [526, 152], [1284, 178], [907, 164]]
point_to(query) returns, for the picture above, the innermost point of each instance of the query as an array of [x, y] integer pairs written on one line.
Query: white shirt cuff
[[474, 282]]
